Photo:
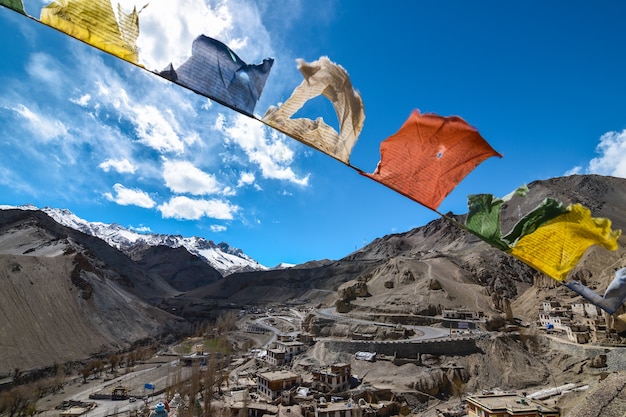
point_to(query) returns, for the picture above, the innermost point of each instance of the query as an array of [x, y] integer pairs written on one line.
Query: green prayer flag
[[16, 5]]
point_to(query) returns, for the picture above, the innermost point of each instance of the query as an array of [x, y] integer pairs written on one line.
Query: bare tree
[[85, 372], [114, 360], [59, 378], [209, 383], [18, 401], [194, 386], [226, 322], [97, 366]]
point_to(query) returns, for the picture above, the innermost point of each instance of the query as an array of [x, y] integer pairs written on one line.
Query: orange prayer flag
[[429, 156]]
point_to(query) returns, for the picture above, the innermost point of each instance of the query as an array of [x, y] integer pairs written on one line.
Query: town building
[[73, 412], [255, 328], [252, 409], [282, 352], [551, 306], [306, 338], [272, 384], [291, 348], [335, 409], [275, 357], [504, 405], [461, 315], [203, 359], [579, 322], [365, 356], [333, 379]]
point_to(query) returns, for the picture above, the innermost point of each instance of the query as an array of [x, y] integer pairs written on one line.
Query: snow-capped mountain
[[284, 265], [223, 257]]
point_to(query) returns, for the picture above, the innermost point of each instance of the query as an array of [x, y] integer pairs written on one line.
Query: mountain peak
[[223, 257]]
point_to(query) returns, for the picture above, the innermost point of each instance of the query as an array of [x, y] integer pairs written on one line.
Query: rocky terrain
[[440, 265], [66, 295]]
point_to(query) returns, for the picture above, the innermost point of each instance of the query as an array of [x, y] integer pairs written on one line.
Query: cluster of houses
[[329, 391], [275, 389], [284, 393], [285, 385], [322, 392], [579, 322]]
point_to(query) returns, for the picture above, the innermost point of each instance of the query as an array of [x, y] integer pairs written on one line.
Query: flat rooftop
[[278, 375], [511, 402]]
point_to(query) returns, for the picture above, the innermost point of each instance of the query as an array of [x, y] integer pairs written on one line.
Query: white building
[[272, 384]]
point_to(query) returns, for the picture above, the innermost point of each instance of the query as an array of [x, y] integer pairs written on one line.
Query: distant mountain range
[[221, 256], [104, 287]]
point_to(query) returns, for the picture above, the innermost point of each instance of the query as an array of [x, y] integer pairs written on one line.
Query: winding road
[[421, 332]]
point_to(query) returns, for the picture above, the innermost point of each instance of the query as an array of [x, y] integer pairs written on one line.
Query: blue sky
[[544, 83]]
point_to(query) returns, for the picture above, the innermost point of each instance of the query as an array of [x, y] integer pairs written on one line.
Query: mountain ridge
[[126, 295], [221, 256], [66, 295]]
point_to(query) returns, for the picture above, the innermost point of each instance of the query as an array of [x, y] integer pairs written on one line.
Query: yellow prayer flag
[[556, 247], [94, 22]]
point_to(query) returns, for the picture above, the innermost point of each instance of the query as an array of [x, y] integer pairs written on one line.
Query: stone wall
[[404, 349], [615, 357]]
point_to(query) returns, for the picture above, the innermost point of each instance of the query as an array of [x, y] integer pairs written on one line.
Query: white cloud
[[612, 159], [216, 228], [42, 126], [45, 69], [184, 208], [123, 166], [263, 146], [184, 177], [130, 197], [574, 171], [246, 178], [207, 105], [82, 101], [192, 138], [141, 229], [154, 128], [168, 28], [229, 192]]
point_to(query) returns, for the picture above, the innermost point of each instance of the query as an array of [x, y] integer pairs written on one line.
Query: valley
[[410, 378], [446, 315]]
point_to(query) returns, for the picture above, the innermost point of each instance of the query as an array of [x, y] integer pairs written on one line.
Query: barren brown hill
[[440, 265], [66, 296], [179, 268]]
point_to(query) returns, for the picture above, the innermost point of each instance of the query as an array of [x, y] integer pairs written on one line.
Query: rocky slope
[[109, 295], [65, 295], [221, 256], [441, 266]]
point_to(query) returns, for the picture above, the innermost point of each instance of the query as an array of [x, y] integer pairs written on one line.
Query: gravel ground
[[606, 400]]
